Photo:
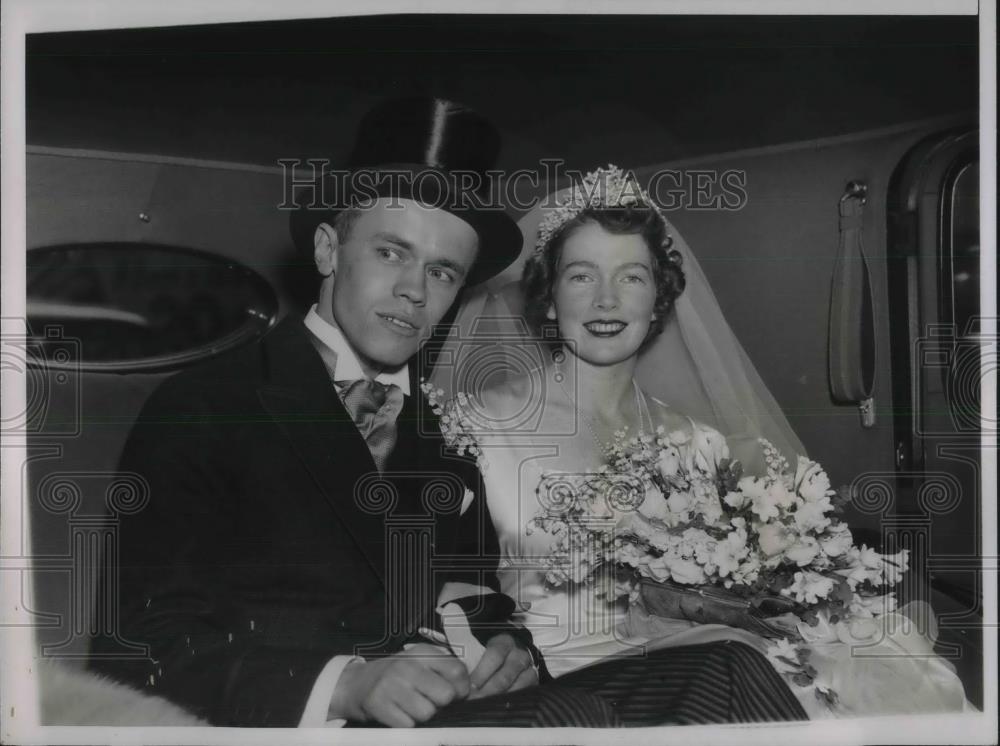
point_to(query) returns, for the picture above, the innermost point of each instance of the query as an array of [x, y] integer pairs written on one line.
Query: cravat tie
[[374, 408]]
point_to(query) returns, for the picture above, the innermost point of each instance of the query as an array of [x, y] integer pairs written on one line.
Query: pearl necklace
[[601, 445]]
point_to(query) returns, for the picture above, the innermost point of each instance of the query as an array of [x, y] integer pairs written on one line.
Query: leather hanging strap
[[852, 318]]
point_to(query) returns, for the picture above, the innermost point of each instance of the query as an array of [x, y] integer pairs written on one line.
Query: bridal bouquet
[[672, 511], [671, 520]]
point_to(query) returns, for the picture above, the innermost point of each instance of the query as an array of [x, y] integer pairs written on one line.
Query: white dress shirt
[[347, 366]]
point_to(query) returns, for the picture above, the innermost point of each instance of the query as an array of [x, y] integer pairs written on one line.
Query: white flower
[[729, 552], [710, 448], [627, 524], [855, 573], [783, 495], [749, 569], [894, 565], [695, 538], [803, 550], [773, 539], [869, 557], [678, 437], [669, 461], [755, 490], [811, 516], [629, 554], [703, 552], [659, 539], [707, 501], [653, 505], [768, 497], [809, 587], [811, 482], [680, 502], [836, 541], [713, 513], [821, 562], [735, 499], [686, 571]]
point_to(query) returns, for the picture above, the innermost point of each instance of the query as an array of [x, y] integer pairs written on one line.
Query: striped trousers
[[718, 682]]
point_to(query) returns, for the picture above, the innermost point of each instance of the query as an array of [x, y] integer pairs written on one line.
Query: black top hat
[[430, 150]]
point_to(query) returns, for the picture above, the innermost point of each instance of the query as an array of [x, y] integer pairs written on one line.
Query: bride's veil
[[697, 366]]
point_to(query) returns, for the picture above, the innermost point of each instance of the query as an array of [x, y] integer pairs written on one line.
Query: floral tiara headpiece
[[603, 188]]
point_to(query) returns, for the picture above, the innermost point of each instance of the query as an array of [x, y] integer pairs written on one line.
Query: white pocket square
[[467, 499]]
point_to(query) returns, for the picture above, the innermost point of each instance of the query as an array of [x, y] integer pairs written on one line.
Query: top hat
[[433, 151]]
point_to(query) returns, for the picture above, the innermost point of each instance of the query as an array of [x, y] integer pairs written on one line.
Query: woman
[[600, 286], [603, 282]]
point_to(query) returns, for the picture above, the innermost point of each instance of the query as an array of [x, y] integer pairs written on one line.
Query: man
[[264, 574]]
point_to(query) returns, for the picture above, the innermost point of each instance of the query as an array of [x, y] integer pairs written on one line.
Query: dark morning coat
[[263, 550]]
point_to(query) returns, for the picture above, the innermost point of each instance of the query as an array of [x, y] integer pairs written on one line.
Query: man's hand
[[402, 690], [504, 667]]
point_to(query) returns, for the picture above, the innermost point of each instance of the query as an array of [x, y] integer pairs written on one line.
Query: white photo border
[[19, 698]]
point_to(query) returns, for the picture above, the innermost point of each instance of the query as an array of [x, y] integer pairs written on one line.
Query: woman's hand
[[504, 667]]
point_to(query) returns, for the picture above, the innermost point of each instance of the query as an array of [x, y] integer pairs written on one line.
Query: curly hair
[[542, 267]]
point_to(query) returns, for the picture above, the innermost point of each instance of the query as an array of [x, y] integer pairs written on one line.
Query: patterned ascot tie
[[374, 408]]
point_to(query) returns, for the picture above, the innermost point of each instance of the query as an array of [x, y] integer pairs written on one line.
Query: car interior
[[825, 172]]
